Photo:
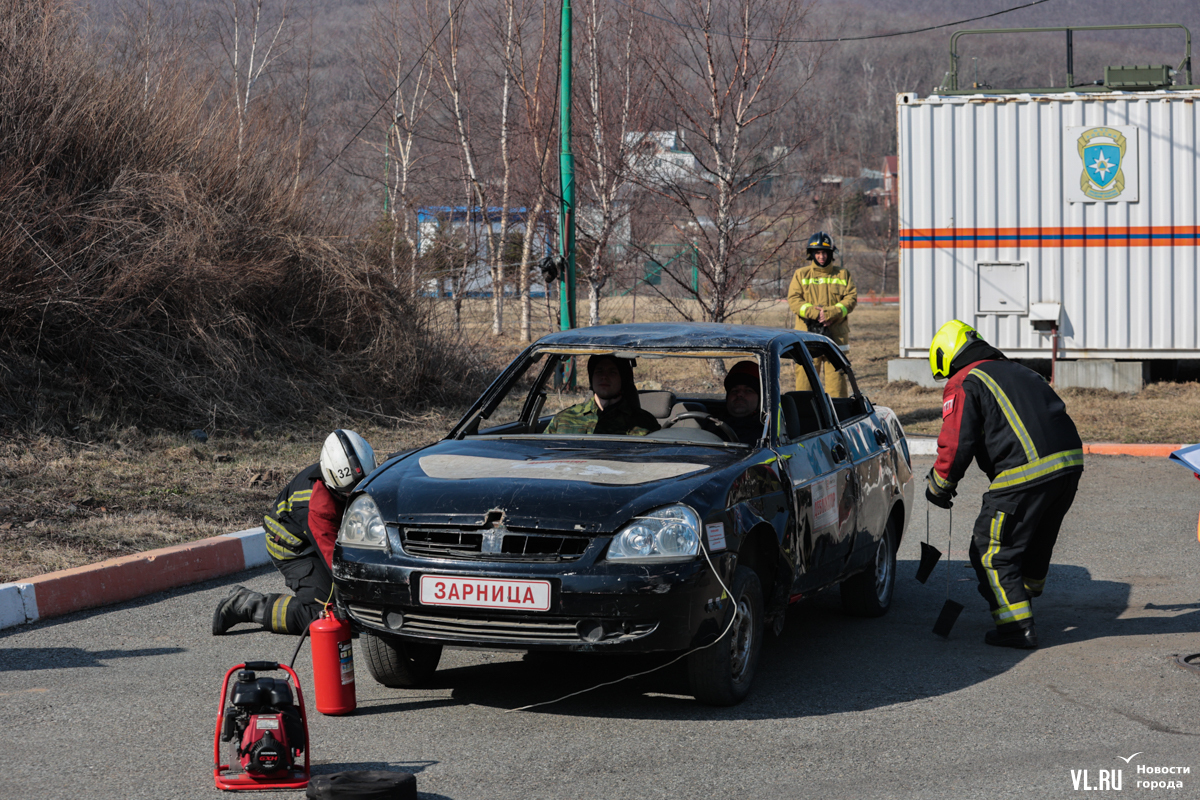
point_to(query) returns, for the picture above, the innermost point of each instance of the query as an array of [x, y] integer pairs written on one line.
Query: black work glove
[[942, 500], [935, 494]]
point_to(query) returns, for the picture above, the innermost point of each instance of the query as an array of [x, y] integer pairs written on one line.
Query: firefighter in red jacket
[[301, 530], [1007, 418]]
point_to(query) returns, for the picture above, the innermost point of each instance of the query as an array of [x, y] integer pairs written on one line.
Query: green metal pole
[[566, 222]]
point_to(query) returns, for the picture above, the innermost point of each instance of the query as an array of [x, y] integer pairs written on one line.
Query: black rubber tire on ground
[[721, 675], [869, 593], [397, 663], [363, 785]]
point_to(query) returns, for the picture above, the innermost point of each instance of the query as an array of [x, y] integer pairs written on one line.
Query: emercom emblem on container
[[1108, 163], [1102, 150]]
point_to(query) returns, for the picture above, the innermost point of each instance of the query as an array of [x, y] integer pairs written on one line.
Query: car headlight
[[362, 525], [665, 533]]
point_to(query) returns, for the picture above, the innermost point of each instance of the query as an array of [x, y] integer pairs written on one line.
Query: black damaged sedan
[[689, 538]]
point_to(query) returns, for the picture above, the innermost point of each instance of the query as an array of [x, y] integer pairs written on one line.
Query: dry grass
[[65, 503], [157, 275]]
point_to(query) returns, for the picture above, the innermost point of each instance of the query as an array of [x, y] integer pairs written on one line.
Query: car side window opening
[[802, 412], [846, 408], [506, 412]]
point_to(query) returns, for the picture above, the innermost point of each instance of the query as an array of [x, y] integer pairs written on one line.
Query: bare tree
[[251, 48], [448, 54], [151, 39], [535, 75], [722, 75], [505, 30], [614, 108], [385, 66]]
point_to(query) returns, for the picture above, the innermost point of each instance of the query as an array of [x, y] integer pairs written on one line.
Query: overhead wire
[[742, 37]]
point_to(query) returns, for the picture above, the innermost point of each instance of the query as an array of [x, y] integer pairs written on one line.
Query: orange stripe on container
[[1046, 237]]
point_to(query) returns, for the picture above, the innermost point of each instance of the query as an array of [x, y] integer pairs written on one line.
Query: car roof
[[690, 335]]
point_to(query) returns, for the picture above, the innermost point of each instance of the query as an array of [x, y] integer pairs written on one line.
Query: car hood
[[564, 485]]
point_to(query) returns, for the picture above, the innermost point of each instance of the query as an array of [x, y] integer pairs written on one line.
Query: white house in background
[[473, 224], [660, 157]]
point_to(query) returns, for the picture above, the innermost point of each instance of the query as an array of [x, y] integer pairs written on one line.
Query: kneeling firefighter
[[1007, 418], [301, 528]]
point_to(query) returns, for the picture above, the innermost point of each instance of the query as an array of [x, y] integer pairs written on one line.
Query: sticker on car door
[[825, 504]]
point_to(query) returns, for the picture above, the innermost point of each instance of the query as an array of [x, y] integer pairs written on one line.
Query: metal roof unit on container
[[1087, 197]]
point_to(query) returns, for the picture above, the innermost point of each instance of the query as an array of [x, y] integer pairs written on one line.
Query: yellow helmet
[[948, 342]]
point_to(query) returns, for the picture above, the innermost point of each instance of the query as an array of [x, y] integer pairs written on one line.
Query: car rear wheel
[[398, 663], [720, 675], [869, 593]]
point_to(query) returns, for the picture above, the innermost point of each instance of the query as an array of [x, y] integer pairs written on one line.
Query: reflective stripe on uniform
[[1035, 587], [994, 533], [279, 614], [804, 308], [1010, 413], [1037, 469], [845, 313], [941, 483], [282, 544], [822, 281], [1014, 613]]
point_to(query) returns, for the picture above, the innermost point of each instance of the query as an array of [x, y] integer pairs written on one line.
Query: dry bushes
[[153, 276]]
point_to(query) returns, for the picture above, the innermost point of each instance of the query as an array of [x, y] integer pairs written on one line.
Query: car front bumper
[[597, 606]]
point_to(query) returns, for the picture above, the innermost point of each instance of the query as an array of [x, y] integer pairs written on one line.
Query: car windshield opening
[[709, 398]]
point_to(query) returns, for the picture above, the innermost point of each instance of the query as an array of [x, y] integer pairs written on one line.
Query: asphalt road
[[121, 702]]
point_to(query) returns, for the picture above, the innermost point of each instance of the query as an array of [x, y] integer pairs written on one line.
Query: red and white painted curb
[[927, 446], [127, 577]]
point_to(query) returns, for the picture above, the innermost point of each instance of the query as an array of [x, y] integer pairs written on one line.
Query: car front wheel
[[869, 593], [721, 674], [397, 663]]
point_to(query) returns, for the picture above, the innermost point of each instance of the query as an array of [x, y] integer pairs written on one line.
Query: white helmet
[[346, 459]]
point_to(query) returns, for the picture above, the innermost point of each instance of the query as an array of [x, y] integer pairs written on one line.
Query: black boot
[[1020, 635], [242, 605]]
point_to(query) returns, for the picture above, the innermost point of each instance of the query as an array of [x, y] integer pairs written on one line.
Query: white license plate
[[441, 590]]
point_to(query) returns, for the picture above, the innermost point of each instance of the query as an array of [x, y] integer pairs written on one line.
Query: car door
[[869, 447], [816, 460]]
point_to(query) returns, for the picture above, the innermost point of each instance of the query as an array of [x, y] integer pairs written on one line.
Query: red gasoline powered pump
[[266, 729]]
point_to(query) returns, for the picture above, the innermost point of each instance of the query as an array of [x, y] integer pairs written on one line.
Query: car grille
[[493, 545], [514, 630]]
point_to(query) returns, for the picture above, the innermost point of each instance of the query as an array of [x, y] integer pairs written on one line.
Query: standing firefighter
[[822, 297], [1011, 422], [302, 527]]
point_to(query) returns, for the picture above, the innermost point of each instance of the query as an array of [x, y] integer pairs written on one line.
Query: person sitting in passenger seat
[[613, 407], [742, 406]]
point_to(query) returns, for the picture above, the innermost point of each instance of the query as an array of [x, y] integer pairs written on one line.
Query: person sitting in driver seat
[[613, 408], [742, 405]]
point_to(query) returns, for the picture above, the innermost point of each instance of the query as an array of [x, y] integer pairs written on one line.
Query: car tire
[[397, 663], [721, 674], [869, 593]]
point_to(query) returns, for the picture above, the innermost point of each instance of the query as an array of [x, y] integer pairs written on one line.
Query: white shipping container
[[1088, 200]]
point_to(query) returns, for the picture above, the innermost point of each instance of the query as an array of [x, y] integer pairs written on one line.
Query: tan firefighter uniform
[[830, 287]]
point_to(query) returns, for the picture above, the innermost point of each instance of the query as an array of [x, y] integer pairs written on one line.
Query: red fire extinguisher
[[333, 664]]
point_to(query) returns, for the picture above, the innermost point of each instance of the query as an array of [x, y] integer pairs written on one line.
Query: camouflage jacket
[[616, 420]]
